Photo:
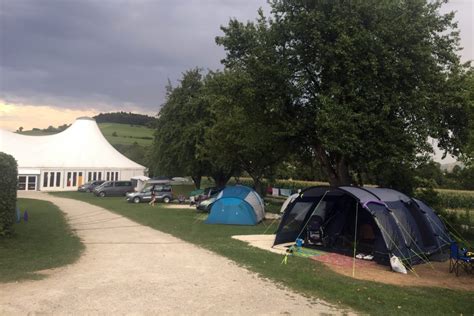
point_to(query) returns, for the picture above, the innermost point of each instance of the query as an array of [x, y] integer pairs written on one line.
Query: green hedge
[[281, 184], [8, 185]]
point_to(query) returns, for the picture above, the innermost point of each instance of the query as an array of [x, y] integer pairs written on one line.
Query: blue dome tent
[[237, 205]]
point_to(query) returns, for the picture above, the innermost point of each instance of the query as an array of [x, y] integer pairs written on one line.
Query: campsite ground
[[130, 268], [305, 276]]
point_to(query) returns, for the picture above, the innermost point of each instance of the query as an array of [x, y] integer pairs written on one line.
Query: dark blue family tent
[[237, 205], [383, 222]]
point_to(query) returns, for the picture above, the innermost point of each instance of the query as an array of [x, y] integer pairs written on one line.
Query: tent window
[[58, 179], [89, 176], [99, 176], [116, 176], [51, 179], [297, 216], [74, 179], [95, 176], [68, 179], [45, 180]]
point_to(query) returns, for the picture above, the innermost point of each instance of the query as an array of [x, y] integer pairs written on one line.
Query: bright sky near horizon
[[63, 59]]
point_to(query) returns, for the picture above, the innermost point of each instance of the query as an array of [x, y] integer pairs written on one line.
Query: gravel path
[[128, 268]]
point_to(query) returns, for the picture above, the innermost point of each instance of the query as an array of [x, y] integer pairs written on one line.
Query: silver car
[[111, 188], [162, 193]]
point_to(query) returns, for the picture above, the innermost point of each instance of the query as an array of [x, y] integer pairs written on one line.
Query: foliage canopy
[[369, 81]]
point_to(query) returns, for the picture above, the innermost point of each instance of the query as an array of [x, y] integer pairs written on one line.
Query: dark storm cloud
[[107, 53], [116, 54]]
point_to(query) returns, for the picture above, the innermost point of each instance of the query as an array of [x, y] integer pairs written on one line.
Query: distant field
[[127, 134], [37, 133], [460, 192]]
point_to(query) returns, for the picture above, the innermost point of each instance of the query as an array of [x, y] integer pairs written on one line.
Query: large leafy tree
[[180, 130], [369, 80], [179, 143], [468, 150], [249, 129]]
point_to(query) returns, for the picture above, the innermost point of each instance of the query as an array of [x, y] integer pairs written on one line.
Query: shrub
[[8, 183], [293, 185], [430, 197]]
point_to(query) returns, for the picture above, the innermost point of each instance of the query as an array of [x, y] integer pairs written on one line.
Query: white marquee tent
[[68, 159]]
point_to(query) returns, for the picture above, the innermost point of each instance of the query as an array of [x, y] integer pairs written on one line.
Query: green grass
[[310, 278], [44, 242], [127, 134]]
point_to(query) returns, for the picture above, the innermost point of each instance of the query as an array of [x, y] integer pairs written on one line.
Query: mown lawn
[[44, 242], [303, 275]]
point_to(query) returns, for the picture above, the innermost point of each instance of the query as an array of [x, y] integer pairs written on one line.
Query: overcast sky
[[107, 54], [99, 55]]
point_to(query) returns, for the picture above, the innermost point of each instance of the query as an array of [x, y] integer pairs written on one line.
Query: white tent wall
[[257, 203], [63, 161], [54, 179]]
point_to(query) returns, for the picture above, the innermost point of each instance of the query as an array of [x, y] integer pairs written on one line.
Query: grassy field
[[456, 192], [127, 134], [44, 242], [303, 275]]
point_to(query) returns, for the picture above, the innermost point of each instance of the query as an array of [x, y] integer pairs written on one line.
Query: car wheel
[[102, 194], [136, 200], [166, 199]]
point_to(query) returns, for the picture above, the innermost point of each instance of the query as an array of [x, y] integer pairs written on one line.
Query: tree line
[[125, 118], [349, 91]]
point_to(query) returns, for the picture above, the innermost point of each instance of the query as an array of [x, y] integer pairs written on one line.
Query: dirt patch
[[434, 274], [179, 206]]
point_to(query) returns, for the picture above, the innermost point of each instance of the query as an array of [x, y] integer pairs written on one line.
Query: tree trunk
[[259, 186], [197, 181], [221, 178], [336, 167]]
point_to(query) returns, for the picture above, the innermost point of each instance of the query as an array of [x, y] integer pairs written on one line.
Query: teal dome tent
[[237, 205]]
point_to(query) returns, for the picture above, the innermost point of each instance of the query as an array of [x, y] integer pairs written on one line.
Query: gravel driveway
[[128, 268]]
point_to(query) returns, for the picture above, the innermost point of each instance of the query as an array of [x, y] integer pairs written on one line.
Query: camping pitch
[[380, 223], [237, 205]]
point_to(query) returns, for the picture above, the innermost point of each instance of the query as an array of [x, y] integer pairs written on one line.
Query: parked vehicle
[[208, 193], [163, 193], [113, 188], [205, 205], [207, 199], [90, 186]]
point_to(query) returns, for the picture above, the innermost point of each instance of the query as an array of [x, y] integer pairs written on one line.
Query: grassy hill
[[115, 133], [125, 134], [132, 141], [37, 132]]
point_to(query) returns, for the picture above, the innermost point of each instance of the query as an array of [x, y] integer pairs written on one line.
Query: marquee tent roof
[[82, 145]]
